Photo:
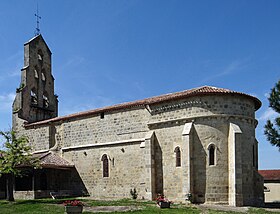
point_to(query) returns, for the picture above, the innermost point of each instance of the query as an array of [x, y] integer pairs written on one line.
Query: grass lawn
[[44, 206]]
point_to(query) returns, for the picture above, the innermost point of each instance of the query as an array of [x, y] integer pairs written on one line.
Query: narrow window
[[33, 96], [40, 56], [43, 76], [105, 165], [102, 115], [36, 74], [178, 156], [45, 101], [211, 155]]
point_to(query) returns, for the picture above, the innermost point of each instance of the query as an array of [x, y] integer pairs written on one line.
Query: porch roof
[[52, 160], [271, 174]]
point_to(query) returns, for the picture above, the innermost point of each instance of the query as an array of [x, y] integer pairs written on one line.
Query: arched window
[[211, 149], [33, 96], [43, 75], [45, 100], [105, 161], [40, 55], [178, 156], [36, 74]]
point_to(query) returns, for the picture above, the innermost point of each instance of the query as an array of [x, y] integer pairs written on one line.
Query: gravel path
[[111, 208], [204, 208]]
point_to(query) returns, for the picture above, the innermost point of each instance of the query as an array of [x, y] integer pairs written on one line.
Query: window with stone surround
[[105, 166], [211, 149], [178, 156]]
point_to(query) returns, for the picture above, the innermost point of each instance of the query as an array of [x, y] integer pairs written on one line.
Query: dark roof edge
[[35, 37], [201, 91]]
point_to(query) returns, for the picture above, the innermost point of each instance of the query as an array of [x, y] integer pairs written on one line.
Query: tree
[[272, 130], [15, 154]]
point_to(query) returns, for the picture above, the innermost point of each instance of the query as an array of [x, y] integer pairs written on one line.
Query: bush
[[133, 193]]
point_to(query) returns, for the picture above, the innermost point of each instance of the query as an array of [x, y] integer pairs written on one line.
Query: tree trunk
[[10, 187]]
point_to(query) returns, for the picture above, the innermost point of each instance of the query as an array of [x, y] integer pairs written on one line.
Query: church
[[198, 144]]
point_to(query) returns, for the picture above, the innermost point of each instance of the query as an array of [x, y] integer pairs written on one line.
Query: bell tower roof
[[38, 37]]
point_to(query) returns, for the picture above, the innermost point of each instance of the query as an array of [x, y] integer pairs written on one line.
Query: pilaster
[[235, 166], [186, 159], [150, 166]]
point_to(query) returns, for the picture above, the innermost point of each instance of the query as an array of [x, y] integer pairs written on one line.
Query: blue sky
[[108, 52]]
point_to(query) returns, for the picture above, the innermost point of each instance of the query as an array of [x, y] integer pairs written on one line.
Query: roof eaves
[[204, 90]]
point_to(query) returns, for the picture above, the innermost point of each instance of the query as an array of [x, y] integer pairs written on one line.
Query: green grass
[[29, 207], [44, 206]]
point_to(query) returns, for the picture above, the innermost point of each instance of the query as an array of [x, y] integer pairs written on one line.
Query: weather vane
[[37, 31]]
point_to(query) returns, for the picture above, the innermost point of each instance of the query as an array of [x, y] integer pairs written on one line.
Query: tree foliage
[[272, 129], [15, 155]]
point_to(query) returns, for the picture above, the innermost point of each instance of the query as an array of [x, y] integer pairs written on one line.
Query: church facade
[[199, 142]]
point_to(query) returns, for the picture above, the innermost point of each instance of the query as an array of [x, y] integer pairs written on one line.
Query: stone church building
[[199, 141]]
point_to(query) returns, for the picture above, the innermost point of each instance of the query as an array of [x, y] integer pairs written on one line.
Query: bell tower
[[35, 99]]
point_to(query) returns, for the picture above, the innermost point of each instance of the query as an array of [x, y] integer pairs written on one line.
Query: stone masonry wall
[[121, 134], [211, 116]]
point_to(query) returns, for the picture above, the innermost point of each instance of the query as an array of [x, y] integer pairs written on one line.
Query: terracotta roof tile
[[271, 175], [51, 160], [201, 91]]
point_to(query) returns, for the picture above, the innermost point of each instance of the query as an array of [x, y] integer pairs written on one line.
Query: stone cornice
[[189, 119], [103, 144]]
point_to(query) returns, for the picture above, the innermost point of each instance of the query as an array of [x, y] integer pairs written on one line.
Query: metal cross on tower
[[37, 31]]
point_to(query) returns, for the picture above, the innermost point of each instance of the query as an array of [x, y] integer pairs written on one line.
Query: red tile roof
[[270, 175], [201, 91], [51, 160]]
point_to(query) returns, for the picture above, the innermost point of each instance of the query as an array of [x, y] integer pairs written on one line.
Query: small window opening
[[102, 115], [178, 156], [105, 166], [45, 101], [33, 97], [36, 74], [212, 155], [43, 77], [40, 55]]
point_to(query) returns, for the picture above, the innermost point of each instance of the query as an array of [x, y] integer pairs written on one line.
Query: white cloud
[[267, 95], [268, 114], [233, 67], [6, 101], [97, 102], [72, 62], [11, 66]]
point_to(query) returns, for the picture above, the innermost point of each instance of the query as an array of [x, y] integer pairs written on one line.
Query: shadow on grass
[[37, 201], [87, 202]]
